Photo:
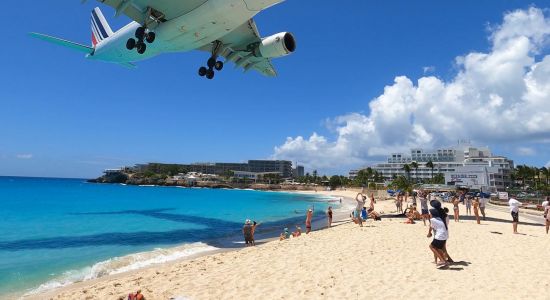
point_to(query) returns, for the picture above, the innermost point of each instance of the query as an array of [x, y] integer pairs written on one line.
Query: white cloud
[[525, 151], [24, 156], [497, 96], [548, 164], [428, 69]]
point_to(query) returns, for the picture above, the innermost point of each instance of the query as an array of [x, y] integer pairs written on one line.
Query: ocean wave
[[122, 264]]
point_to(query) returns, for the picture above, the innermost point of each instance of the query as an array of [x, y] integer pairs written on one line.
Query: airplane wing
[[235, 49], [162, 10]]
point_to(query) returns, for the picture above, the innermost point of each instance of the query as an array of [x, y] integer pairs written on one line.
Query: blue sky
[[64, 116]]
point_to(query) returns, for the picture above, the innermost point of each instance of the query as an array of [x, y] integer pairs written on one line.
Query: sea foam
[[122, 264]]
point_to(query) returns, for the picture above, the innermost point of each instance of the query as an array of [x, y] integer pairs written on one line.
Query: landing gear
[[142, 35], [210, 74], [141, 47], [130, 44], [202, 71], [150, 37], [213, 63]]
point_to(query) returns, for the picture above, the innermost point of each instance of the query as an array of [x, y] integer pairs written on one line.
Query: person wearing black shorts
[[514, 211], [515, 216]]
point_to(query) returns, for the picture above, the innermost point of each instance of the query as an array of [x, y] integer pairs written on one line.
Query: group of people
[[437, 216], [361, 212], [478, 204]]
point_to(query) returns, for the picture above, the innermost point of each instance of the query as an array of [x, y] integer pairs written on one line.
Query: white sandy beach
[[386, 259]]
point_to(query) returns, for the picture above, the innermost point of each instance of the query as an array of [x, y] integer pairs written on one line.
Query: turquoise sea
[[57, 231]]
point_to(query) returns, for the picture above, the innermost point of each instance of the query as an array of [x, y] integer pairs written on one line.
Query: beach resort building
[[281, 167], [462, 165]]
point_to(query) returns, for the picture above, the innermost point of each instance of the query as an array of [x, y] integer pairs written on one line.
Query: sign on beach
[[503, 195]]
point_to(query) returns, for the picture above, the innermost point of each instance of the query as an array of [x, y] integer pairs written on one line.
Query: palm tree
[[430, 165], [407, 169], [369, 173], [414, 165], [546, 172]]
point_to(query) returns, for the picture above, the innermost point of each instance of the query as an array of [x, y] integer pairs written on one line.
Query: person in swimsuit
[[456, 210], [309, 215], [475, 203], [247, 232], [329, 215]]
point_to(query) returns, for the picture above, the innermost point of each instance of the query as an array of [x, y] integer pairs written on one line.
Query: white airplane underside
[[224, 28]]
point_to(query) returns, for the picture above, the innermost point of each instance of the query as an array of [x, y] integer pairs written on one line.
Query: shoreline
[[193, 277], [222, 245]]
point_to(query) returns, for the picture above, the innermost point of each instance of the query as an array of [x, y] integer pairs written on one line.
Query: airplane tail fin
[[100, 28]]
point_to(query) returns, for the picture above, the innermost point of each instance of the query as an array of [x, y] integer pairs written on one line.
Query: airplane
[[224, 28]]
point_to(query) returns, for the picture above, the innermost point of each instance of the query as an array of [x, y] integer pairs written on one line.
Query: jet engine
[[277, 45]]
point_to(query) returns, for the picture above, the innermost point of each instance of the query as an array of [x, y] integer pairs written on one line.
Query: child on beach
[[285, 235], [298, 232]]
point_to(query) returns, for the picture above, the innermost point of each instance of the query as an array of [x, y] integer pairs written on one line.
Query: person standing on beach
[[329, 215], [360, 198], [547, 217], [514, 211], [247, 232], [438, 226], [482, 202], [468, 203], [424, 208], [475, 203], [456, 210], [309, 215]]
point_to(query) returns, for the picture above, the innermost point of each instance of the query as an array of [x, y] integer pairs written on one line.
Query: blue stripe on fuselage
[[99, 25]]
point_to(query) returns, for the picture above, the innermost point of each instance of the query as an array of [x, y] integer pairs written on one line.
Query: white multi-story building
[[452, 161]]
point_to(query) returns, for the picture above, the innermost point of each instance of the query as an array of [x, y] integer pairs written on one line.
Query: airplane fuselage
[[201, 26]]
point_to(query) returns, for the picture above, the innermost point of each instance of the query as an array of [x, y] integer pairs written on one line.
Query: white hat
[[247, 221]]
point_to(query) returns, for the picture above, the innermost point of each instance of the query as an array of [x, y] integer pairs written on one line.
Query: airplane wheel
[[211, 62], [141, 47], [130, 44], [150, 37], [210, 74], [218, 65], [202, 71], [140, 33]]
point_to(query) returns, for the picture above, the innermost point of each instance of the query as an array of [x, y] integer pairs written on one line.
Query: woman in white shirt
[[514, 211], [441, 234]]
